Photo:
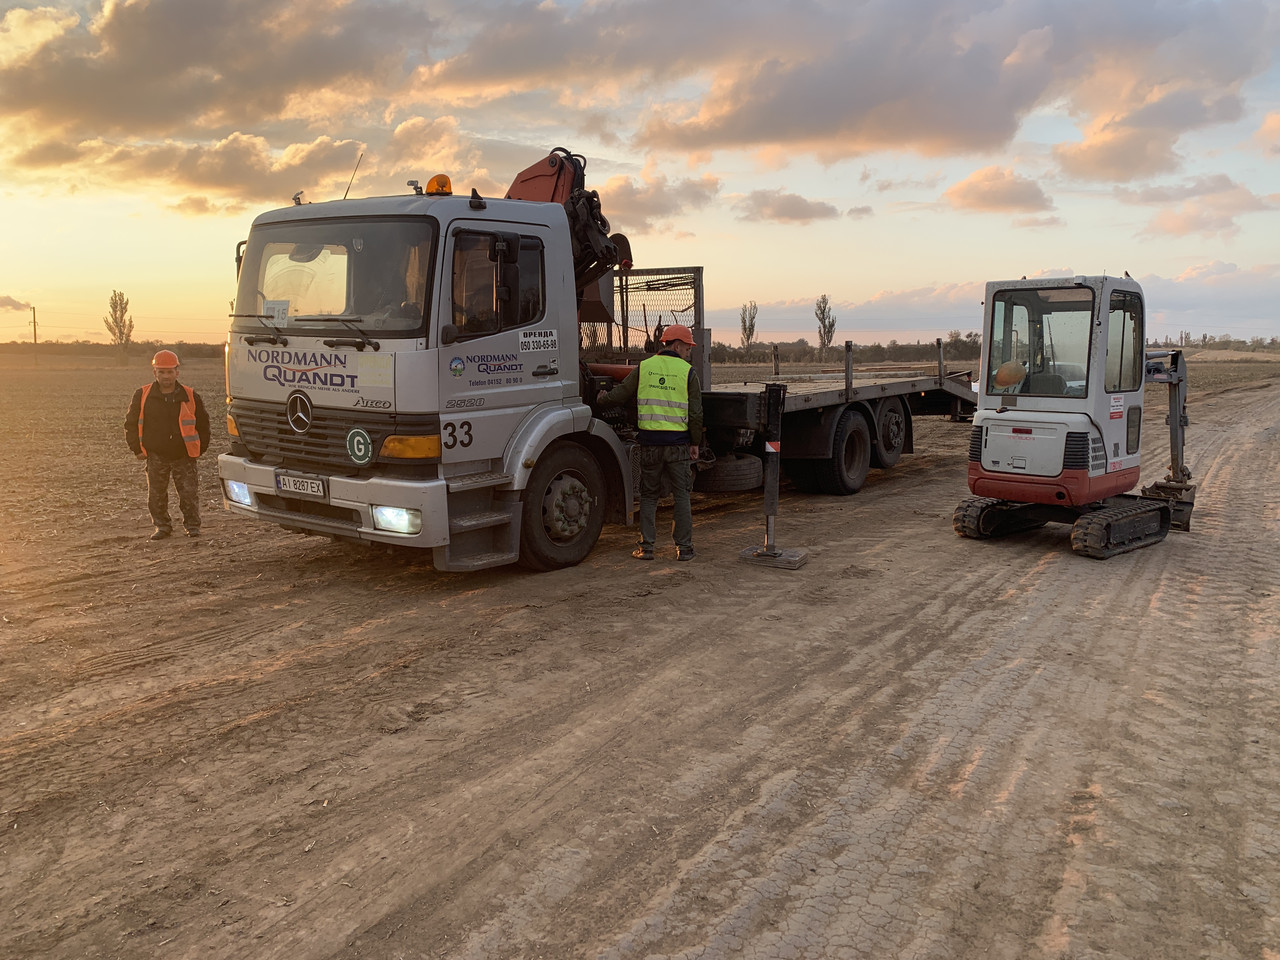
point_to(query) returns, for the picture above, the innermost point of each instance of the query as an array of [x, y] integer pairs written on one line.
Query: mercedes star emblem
[[298, 411]]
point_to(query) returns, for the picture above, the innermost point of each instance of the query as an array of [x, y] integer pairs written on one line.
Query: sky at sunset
[[894, 155]]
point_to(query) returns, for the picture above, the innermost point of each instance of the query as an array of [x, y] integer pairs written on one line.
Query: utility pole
[[34, 338]]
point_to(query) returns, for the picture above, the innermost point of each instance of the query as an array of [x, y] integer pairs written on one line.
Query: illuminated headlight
[[238, 492], [397, 519]]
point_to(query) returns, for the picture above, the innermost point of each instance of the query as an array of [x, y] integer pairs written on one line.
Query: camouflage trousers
[[657, 462], [186, 480]]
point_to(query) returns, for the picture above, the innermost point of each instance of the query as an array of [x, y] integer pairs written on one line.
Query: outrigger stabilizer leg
[[771, 555]]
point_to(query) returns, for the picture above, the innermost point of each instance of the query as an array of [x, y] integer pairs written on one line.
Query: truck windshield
[[372, 273], [1039, 342]]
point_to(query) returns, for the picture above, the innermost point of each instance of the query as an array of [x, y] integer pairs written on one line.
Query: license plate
[[300, 486]]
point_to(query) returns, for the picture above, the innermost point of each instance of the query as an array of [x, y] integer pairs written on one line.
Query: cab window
[[481, 281], [1126, 357], [1040, 342]]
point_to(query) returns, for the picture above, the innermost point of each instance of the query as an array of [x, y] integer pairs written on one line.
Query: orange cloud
[[640, 206], [997, 190], [1268, 135], [780, 207]]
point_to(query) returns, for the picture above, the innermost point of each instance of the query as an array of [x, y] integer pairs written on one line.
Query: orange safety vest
[[186, 420]]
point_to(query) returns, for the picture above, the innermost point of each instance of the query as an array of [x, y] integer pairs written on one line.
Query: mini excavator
[[1057, 435]]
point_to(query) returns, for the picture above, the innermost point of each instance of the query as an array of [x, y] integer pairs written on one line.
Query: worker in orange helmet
[[669, 424], [167, 427]]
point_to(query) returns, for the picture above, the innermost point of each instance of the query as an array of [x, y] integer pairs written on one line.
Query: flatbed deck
[[743, 404]]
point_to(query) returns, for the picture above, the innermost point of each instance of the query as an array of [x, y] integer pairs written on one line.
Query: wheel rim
[[566, 507], [894, 430]]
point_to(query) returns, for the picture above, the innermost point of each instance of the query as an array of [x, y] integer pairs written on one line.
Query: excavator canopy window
[[1126, 355], [1039, 342]]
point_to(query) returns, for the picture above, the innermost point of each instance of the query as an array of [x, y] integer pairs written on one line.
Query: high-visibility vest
[[662, 395], [186, 420]]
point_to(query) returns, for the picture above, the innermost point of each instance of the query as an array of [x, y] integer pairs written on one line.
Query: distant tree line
[[1223, 341], [89, 348], [956, 346]]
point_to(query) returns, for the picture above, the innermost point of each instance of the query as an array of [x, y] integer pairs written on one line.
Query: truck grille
[[267, 436]]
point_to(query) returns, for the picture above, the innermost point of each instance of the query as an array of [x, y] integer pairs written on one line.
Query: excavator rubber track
[[981, 518], [1121, 527]]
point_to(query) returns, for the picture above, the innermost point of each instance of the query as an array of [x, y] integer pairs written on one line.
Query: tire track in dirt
[[751, 767], [1076, 809]]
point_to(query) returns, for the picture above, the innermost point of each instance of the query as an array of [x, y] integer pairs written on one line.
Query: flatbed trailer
[[832, 427]]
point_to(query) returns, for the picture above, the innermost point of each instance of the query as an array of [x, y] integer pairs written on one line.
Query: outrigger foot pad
[[774, 557]]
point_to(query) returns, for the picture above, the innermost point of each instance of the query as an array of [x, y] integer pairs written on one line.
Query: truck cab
[[404, 370]]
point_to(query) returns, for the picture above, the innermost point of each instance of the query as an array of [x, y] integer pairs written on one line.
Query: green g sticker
[[359, 446]]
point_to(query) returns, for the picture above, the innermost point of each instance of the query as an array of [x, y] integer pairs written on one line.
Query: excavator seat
[[1047, 384]]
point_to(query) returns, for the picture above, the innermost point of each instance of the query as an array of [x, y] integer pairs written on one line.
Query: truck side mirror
[[448, 334]]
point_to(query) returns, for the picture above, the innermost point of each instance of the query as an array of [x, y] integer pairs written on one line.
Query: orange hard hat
[[1009, 373], [165, 358], [677, 331]]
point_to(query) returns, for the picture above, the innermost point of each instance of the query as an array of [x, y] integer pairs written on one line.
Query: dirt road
[[260, 745]]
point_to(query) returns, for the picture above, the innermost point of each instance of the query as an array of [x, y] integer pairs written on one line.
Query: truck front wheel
[[562, 508]]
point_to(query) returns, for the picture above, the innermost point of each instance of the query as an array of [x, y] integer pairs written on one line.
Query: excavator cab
[[1058, 432]]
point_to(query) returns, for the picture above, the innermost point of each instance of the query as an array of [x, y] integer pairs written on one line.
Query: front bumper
[[347, 509]]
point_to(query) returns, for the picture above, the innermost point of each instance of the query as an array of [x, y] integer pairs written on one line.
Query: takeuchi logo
[[456, 366]]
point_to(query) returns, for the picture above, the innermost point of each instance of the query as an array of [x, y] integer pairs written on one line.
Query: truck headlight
[[397, 519], [238, 492]]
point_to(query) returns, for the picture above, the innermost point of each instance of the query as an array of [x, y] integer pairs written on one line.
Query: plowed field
[[258, 745]]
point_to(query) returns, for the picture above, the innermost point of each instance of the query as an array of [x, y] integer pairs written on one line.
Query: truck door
[[505, 356]]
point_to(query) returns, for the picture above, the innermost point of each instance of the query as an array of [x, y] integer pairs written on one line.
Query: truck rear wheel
[[846, 470], [891, 432], [562, 508]]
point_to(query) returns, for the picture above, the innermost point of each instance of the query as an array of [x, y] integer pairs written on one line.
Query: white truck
[[412, 370]]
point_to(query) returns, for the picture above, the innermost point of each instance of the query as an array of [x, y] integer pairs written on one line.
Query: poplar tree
[[118, 322], [826, 323], [748, 326]]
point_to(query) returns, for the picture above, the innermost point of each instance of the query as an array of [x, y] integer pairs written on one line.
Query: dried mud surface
[[916, 746]]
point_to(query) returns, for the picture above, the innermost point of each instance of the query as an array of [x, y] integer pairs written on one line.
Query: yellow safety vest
[[662, 395]]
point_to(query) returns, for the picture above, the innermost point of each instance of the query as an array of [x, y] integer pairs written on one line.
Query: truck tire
[[891, 432], [732, 473], [562, 508], [846, 470]]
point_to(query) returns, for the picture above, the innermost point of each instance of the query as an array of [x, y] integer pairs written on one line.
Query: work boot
[[159, 535], [685, 553], [193, 532], [643, 553]]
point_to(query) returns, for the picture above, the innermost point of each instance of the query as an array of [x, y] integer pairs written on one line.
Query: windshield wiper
[[364, 339], [275, 336]]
